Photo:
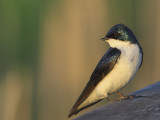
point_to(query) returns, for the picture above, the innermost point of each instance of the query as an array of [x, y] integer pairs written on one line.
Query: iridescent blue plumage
[[110, 55], [121, 32]]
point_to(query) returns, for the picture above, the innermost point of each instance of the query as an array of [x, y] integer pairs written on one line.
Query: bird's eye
[[116, 35]]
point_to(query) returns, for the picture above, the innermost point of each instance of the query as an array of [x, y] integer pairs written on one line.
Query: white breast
[[124, 70], [122, 73]]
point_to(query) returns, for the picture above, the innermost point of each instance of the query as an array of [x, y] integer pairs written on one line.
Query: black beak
[[105, 38]]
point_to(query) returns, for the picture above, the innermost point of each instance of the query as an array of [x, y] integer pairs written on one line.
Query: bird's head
[[120, 32]]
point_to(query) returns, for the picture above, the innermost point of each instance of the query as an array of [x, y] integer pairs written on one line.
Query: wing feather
[[102, 69]]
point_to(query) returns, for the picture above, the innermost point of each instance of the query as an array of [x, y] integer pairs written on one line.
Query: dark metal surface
[[144, 106]]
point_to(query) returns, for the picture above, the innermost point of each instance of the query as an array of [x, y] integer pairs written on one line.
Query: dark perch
[[144, 106]]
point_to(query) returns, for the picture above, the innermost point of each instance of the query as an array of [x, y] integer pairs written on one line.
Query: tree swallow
[[115, 69]]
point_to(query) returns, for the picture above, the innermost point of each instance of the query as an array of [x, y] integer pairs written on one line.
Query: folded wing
[[102, 69]]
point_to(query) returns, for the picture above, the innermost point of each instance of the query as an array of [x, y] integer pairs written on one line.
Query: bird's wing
[[104, 67]]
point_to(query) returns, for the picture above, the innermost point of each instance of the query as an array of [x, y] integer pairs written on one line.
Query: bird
[[115, 69]]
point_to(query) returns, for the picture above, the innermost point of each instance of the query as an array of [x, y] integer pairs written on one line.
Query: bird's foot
[[123, 97], [110, 100]]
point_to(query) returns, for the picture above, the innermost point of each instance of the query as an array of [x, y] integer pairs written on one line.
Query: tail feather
[[76, 110], [73, 111]]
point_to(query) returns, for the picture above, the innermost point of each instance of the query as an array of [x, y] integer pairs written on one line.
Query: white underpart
[[122, 73]]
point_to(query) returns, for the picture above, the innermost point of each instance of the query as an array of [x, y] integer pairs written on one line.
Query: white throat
[[126, 47], [118, 43]]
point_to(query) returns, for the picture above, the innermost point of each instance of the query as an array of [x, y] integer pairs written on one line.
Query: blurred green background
[[49, 49]]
